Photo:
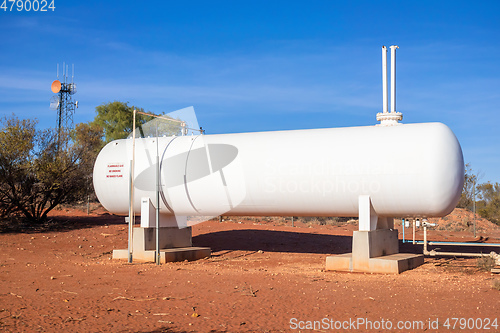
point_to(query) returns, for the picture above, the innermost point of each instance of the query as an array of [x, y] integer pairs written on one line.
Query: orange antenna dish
[[56, 86]]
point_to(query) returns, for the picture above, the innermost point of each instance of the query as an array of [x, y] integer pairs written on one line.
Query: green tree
[[489, 203], [17, 141], [116, 120], [37, 173]]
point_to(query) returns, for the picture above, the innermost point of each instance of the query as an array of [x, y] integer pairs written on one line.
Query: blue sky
[[265, 65]]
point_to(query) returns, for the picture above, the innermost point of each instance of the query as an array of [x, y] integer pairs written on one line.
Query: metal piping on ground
[[425, 243]]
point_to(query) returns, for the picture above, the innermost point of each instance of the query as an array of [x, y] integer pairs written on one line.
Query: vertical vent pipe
[[384, 80], [393, 77]]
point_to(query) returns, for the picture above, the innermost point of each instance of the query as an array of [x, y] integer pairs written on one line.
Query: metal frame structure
[[65, 104], [184, 132]]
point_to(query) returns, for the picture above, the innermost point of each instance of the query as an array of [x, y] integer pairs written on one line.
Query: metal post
[[425, 239], [130, 214], [384, 80], [131, 209], [158, 257], [393, 77], [413, 231], [474, 204], [292, 222], [184, 129], [403, 225]]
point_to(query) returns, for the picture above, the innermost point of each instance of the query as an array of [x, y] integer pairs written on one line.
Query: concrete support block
[[375, 247], [374, 251], [376, 243], [175, 245], [391, 264], [372, 244], [170, 237]]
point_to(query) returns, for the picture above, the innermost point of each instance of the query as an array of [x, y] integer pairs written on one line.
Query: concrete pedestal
[[175, 245], [375, 251]]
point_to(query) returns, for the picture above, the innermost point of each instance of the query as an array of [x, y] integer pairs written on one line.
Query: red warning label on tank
[[114, 170]]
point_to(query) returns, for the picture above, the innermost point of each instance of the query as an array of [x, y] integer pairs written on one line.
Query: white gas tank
[[408, 170]]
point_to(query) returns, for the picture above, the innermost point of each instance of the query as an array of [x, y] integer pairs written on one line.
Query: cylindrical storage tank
[[408, 170]]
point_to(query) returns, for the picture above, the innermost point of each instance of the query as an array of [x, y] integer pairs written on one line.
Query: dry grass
[[485, 263], [496, 284]]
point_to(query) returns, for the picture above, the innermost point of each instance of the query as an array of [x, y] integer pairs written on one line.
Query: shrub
[[485, 263], [496, 284], [40, 169]]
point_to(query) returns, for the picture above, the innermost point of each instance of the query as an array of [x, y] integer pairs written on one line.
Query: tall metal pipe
[[414, 232], [474, 204], [131, 221], [425, 239], [393, 77], [384, 80], [157, 195]]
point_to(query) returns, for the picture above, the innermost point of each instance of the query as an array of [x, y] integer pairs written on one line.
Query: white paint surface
[[407, 170]]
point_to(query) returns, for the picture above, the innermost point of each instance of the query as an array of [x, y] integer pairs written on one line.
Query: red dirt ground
[[264, 276]]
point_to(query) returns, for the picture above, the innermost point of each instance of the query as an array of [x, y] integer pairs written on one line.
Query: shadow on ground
[[300, 242], [60, 223], [273, 241]]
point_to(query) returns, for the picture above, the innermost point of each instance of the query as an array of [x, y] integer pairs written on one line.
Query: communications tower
[[63, 102]]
